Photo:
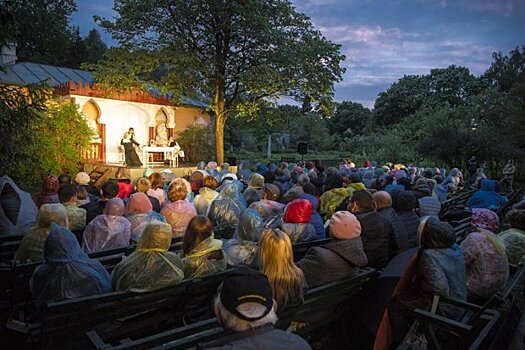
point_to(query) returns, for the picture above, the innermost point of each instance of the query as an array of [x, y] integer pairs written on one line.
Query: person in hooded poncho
[[32, 245], [179, 212], [206, 196], [404, 203], [203, 254], [315, 219], [49, 192], [67, 272], [254, 191], [334, 195], [151, 266], [109, 230], [485, 257], [243, 248], [296, 220], [140, 214], [438, 268], [487, 197], [268, 206], [225, 210], [514, 237], [17, 210]]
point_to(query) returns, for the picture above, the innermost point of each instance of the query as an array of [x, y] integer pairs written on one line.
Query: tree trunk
[[220, 120]]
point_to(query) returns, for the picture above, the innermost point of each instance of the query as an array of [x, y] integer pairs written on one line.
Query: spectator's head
[[109, 189], [143, 184], [516, 218], [50, 185], [82, 178], [269, 177], [298, 211], [82, 193], [333, 181], [138, 203], [256, 181], [67, 193], [309, 188], [251, 225], [403, 200], [64, 179], [427, 173], [405, 182], [225, 167], [435, 234], [156, 237], [156, 181], [211, 166], [388, 180], [361, 200], [382, 199], [177, 190], [199, 229], [303, 179], [484, 219], [201, 165], [244, 301], [49, 213], [210, 182], [276, 262], [344, 225], [271, 192], [114, 207], [354, 178]]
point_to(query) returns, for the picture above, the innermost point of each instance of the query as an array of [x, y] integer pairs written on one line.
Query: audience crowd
[[252, 218]]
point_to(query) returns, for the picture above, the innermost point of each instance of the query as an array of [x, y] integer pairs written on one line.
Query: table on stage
[[174, 161]]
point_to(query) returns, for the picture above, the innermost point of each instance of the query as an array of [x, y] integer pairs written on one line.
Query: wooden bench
[[321, 306], [115, 315], [477, 322], [300, 249], [16, 276]]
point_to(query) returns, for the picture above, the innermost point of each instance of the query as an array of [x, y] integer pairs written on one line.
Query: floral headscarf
[[485, 219]]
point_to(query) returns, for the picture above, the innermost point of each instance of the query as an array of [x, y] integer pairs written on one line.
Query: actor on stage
[[132, 159]]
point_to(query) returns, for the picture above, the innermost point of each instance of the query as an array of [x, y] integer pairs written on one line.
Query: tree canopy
[[237, 54]]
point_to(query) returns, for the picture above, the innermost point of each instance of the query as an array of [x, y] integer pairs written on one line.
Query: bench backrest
[[300, 249]]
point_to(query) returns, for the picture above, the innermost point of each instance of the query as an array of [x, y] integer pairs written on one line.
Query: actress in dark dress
[[132, 159]]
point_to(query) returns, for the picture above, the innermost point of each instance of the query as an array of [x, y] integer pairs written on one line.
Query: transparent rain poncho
[[151, 266], [32, 245], [67, 272], [179, 214], [206, 258], [140, 214], [109, 230], [17, 210], [243, 249], [225, 211]]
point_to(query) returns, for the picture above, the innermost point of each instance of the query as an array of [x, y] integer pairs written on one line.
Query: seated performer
[[132, 159]]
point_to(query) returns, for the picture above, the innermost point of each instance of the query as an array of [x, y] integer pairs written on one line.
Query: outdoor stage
[[135, 173]]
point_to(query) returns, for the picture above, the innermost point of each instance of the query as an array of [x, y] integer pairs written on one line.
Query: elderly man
[[245, 305], [400, 238]]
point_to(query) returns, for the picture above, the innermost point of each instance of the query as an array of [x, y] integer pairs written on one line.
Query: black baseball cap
[[246, 286]]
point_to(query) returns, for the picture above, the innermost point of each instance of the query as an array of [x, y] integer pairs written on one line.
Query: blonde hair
[[276, 262], [177, 190], [143, 184]]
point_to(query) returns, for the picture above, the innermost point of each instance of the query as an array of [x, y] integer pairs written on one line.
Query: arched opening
[[95, 152]]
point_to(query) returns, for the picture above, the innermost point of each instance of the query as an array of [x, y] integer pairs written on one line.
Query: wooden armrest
[[426, 316]]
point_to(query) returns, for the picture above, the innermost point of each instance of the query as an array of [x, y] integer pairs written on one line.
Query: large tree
[[42, 29], [236, 53]]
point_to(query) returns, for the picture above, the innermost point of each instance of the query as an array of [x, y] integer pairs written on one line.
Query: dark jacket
[[411, 222], [336, 260], [94, 209], [375, 233], [265, 337], [399, 237]]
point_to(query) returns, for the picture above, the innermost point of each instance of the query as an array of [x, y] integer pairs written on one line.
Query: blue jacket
[[486, 197], [315, 219]]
